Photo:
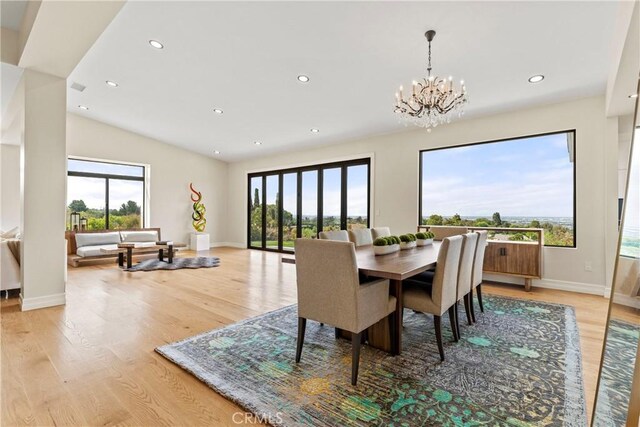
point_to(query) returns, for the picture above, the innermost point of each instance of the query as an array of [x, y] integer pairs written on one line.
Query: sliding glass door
[[300, 202]]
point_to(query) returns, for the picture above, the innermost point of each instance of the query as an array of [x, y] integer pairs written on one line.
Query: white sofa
[[85, 247], [9, 269]]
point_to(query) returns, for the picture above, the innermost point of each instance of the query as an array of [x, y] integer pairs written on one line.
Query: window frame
[[319, 168], [107, 177], [575, 183]]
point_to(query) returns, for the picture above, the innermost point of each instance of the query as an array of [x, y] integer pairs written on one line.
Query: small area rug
[[520, 365], [178, 263]]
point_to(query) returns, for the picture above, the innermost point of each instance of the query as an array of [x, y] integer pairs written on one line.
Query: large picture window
[[520, 182], [107, 195], [300, 202]]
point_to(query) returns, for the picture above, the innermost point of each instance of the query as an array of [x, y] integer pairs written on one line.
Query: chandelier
[[433, 100]]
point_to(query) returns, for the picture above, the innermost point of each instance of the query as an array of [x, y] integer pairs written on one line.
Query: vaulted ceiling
[[244, 58]]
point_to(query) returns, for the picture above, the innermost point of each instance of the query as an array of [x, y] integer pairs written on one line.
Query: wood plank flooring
[[92, 362]]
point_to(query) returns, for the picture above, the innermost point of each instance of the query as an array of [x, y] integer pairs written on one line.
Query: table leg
[[120, 259], [170, 254], [129, 256], [161, 254], [396, 290]]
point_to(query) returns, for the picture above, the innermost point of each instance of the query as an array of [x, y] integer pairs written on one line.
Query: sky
[[92, 190], [523, 177]]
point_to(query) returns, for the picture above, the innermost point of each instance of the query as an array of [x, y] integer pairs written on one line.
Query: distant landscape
[[558, 231]]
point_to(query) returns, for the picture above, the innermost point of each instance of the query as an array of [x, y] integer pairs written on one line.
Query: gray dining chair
[[465, 274], [380, 232], [340, 235], [330, 292], [439, 296], [478, 264], [361, 237]]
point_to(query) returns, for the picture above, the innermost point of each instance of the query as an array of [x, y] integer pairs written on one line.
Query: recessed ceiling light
[[156, 44], [218, 111], [257, 142], [83, 107], [111, 83], [633, 95], [315, 130], [302, 78], [216, 152], [536, 79]]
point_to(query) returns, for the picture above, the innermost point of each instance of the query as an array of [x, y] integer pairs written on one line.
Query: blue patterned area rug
[[520, 365]]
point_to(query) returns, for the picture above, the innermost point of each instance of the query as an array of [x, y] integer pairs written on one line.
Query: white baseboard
[[229, 245], [583, 288], [27, 304], [626, 300], [561, 285]]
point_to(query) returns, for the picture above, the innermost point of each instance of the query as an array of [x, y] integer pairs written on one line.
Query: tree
[[434, 220], [78, 206], [129, 208], [454, 220], [535, 224], [256, 198], [497, 221]]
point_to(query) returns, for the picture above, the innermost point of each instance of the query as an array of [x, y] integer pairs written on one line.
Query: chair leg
[[355, 357], [337, 333], [437, 321], [452, 321], [302, 325], [455, 310], [471, 307], [479, 290], [467, 309]]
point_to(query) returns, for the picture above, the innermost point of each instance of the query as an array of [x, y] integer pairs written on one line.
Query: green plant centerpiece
[[386, 245], [407, 241], [424, 238]]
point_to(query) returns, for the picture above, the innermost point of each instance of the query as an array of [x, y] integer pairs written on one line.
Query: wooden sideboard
[[511, 257]]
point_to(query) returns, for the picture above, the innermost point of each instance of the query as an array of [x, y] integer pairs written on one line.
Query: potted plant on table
[[424, 238], [407, 241], [386, 245]]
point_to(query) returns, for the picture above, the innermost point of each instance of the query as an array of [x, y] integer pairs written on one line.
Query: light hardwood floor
[[92, 362]]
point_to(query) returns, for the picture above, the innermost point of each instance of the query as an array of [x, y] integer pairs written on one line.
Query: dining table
[[396, 267]]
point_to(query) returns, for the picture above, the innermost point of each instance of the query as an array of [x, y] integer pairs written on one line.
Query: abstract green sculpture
[[199, 221]]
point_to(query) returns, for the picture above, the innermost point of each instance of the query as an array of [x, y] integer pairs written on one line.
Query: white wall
[[10, 190], [171, 171], [395, 179]]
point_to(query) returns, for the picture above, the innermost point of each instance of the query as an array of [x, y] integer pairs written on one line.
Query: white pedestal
[[199, 242]]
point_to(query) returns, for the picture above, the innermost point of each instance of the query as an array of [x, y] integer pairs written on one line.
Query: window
[[519, 182], [300, 202], [108, 195]]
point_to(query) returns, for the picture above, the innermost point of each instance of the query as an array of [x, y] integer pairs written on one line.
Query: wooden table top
[[398, 265], [142, 248]]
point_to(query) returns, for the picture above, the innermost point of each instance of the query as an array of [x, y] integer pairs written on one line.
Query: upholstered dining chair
[[361, 237], [442, 231], [330, 292], [465, 274], [478, 263], [441, 296], [380, 232], [340, 235]]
